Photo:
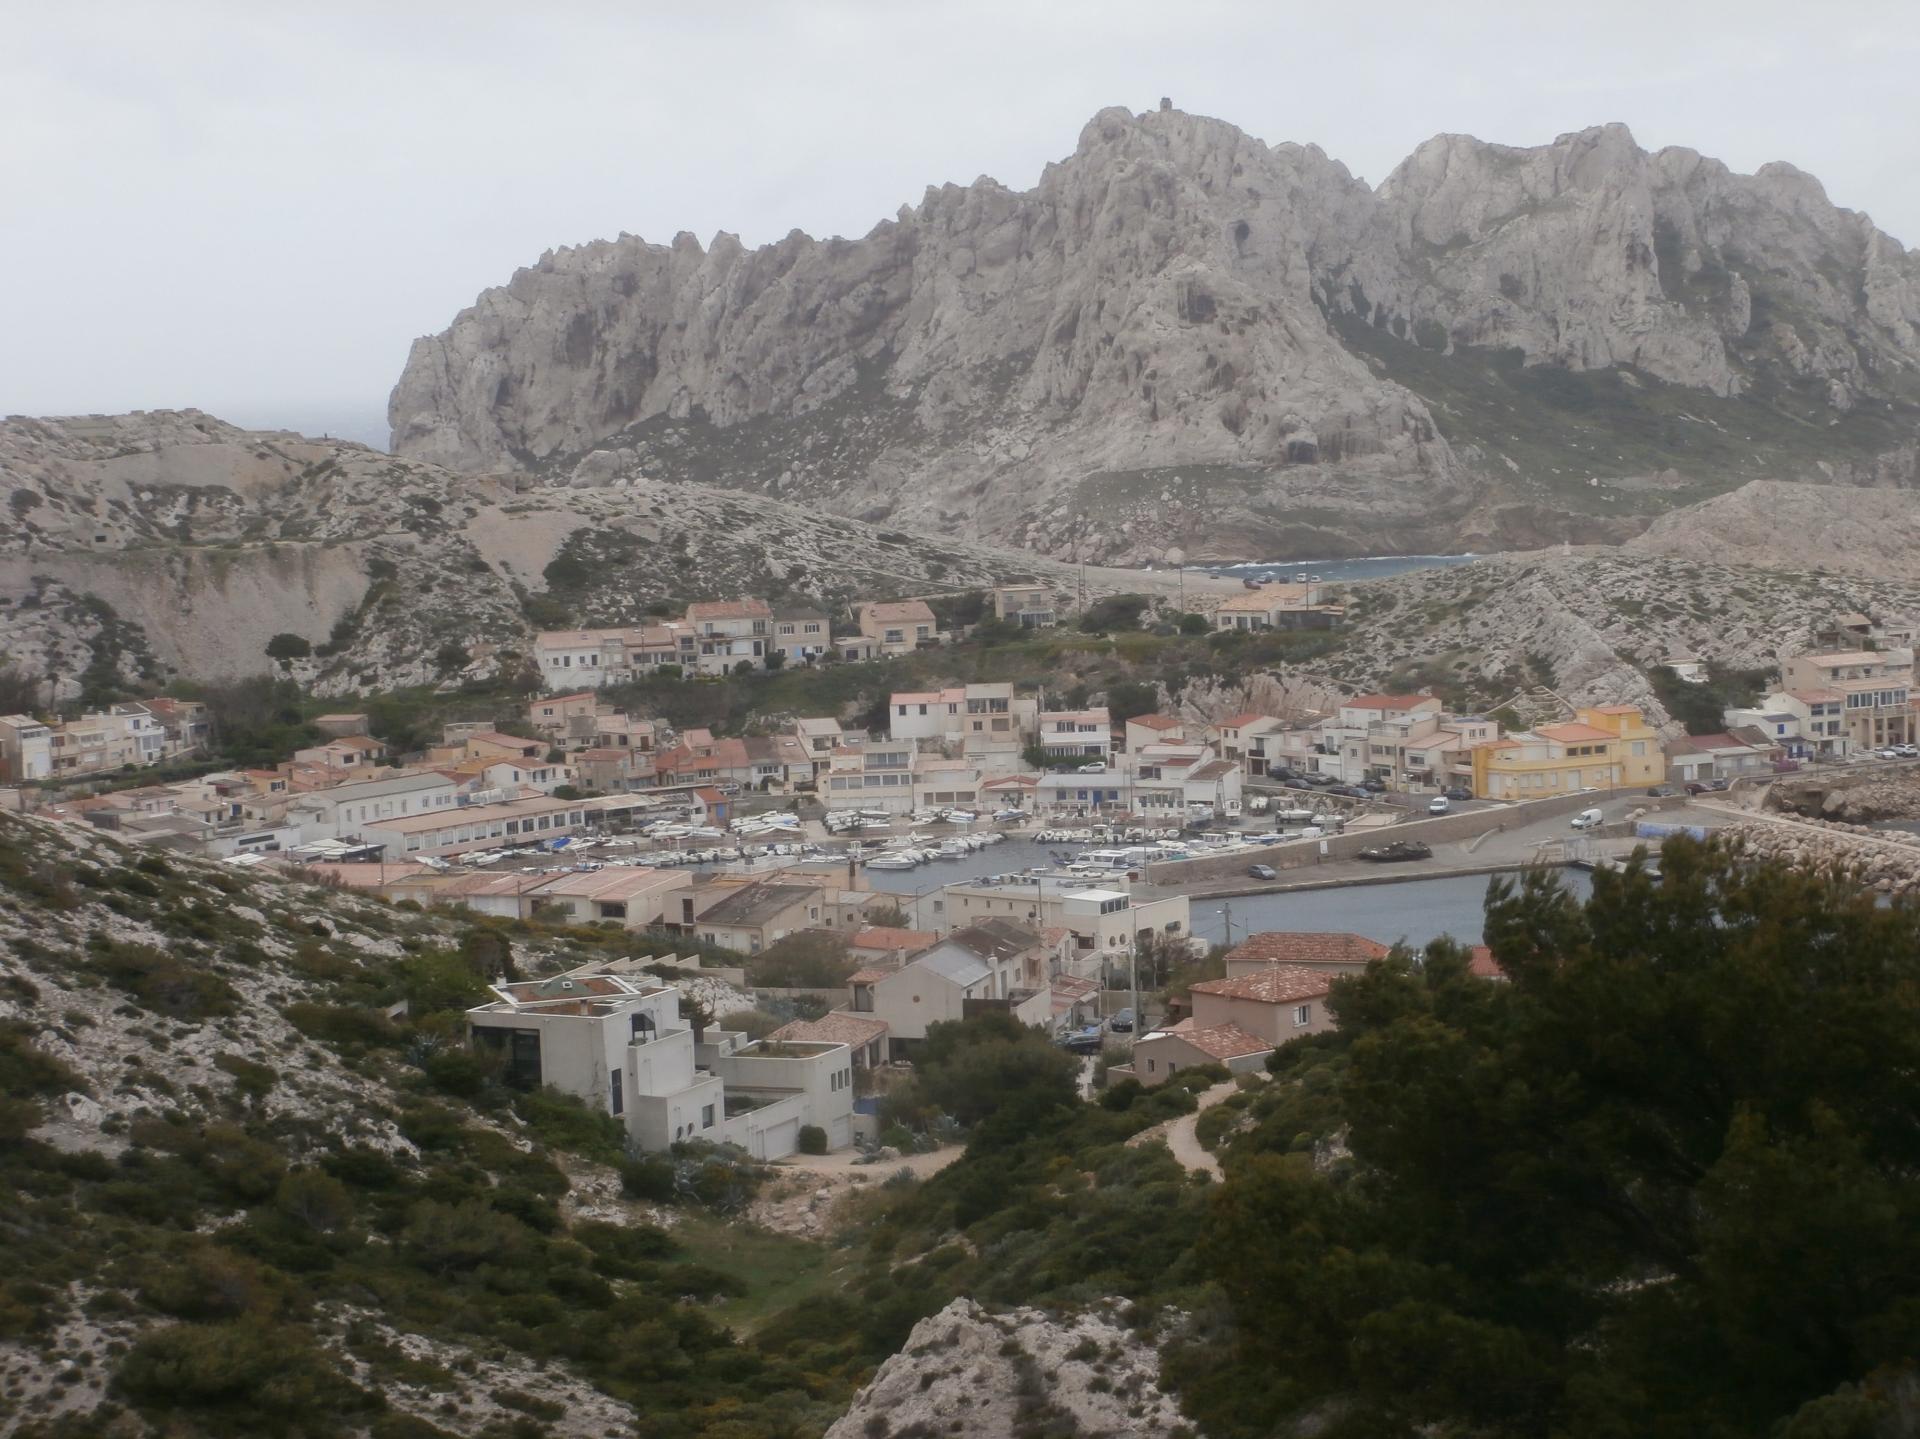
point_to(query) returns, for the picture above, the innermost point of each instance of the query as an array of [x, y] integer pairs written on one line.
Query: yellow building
[[1607, 747]]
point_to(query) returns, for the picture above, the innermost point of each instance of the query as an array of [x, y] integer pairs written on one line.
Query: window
[[1302, 1014], [1150, 1066], [706, 1116], [616, 1084]]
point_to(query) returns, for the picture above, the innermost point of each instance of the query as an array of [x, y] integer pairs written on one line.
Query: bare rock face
[[1184, 337], [1777, 525], [971, 1374]]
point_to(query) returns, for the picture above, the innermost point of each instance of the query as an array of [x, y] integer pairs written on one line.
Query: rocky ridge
[[1584, 625], [1183, 336], [172, 543]]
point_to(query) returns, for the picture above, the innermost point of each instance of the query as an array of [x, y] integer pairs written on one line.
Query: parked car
[[1907, 751], [1698, 786], [1297, 782], [1083, 1041], [1589, 819], [1097, 767], [1661, 791], [1280, 771], [1398, 852], [1122, 1021], [1887, 753], [1322, 781], [1351, 791], [1458, 793], [1439, 804], [1260, 871], [1374, 786]]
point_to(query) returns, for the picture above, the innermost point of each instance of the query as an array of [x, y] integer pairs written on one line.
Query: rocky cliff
[[169, 543], [1776, 525], [1185, 337]]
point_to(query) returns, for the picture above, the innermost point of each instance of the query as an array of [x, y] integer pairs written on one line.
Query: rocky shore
[[1885, 861]]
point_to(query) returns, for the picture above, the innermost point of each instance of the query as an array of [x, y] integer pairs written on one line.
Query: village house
[[778, 761], [565, 718], [1099, 922], [1336, 953], [1278, 606], [1162, 1053], [1604, 747], [1174, 778], [886, 947], [618, 1043], [752, 917], [1858, 631], [1151, 729], [186, 724], [336, 726], [730, 633], [700, 759], [864, 1035], [898, 627], [1274, 1004], [26, 749], [1875, 689], [1804, 723], [1076, 736], [992, 965], [613, 771], [802, 633], [1029, 606], [1696, 759], [348, 752], [1242, 739], [634, 898], [491, 745], [945, 783], [878, 776]]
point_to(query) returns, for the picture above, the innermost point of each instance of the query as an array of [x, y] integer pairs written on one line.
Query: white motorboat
[[890, 860]]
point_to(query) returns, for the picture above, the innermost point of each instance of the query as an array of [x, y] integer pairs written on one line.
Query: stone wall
[[1300, 853], [1885, 861]]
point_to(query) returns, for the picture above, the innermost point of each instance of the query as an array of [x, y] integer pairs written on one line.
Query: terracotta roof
[[1236, 721], [1481, 963], [1817, 697], [1566, 732], [1155, 722], [897, 611], [838, 1027], [1223, 1041], [1283, 984], [729, 610], [1385, 702], [1214, 770], [869, 976], [882, 936], [1307, 947], [1267, 597]]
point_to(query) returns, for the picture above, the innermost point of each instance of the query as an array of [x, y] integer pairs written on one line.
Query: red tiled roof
[[898, 611], [1155, 721], [1223, 1041], [1236, 721], [869, 976], [1482, 964], [1307, 947], [838, 1027], [880, 936], [1564, 732], [729, 610], [1283, 984]]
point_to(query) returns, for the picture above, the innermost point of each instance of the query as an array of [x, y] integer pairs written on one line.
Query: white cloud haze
[[254, 208]]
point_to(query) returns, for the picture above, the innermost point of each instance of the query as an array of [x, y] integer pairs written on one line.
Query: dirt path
[[1180, 1136], [799, 1198]]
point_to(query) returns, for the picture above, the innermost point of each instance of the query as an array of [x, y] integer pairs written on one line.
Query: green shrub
[[650, 1177], [562, 1122], [240, 1378], [813, 1139]]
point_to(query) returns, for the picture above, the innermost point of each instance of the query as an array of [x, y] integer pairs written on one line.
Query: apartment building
[[1029, 606], [1101, 919], [1604, 747], [1244, 739], [1875, 689], [802, 633], [1804, 723], [898, 627], [26, 749], [1076, 736], [730, 633], [878, 775]]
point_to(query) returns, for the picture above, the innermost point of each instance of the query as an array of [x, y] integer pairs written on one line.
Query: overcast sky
[[254, 208]]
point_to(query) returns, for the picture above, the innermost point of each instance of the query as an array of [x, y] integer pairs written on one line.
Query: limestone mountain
[[1185, 337]]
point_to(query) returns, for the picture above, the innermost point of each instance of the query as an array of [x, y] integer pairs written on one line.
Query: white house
[[995, 964]]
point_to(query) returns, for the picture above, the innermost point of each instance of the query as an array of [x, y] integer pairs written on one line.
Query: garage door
[[842, 1134], [777, 1141]]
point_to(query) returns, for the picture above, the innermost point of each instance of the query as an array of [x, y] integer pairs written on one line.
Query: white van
[[1589, 819]]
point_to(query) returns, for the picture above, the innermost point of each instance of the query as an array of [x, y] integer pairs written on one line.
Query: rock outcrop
[[1182, 336], [972, 1374]]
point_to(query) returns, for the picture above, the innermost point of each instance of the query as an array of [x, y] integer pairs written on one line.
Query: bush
[[244, 1377], [813, 1139], [560, 1121], [1115, 612], [649, 1177], [287, 647]]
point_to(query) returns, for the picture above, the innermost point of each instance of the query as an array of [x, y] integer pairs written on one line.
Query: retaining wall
[[1300, 853]]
